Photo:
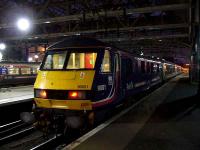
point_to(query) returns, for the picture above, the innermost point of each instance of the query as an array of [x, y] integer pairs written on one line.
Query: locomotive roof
[[14, 63], [77, 42], [86, 42]]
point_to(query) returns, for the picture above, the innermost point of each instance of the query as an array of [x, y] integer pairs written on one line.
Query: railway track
[[9, 125], [11, 134], [11, 128], [21, 134], [52, 142]]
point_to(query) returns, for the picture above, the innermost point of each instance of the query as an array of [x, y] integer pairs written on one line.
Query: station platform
[[13, 95], [167, 119]]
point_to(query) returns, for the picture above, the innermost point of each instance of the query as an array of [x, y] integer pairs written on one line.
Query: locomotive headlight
[[40, 93], [43, 94], [76, 95]]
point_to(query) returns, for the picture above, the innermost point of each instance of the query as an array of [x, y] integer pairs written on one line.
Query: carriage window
[[148, 67], [158, 68], [153, 70], [138, 65], [82, 61], [142, 66], [129, 67], [34, 70], [25, 70], [55, 61], [13, 71], [106, 64]]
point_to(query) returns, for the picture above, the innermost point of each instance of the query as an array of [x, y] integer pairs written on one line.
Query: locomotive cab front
[[69, 83], [64, 79]]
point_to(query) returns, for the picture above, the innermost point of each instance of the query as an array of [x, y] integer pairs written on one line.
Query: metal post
[[197, 39]]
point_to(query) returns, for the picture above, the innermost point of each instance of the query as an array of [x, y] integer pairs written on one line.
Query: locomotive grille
[[57, 94]]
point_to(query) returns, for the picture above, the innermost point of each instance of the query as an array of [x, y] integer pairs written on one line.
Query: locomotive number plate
[[82, 86]]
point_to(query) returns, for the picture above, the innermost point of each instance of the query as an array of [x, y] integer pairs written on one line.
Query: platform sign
[[3, 70]]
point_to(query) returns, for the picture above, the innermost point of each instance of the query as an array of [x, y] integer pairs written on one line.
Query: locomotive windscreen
[[62, 60]]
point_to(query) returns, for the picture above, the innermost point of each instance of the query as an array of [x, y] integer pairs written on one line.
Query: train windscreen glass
[[55, 60], [63, 60], [81, 61]]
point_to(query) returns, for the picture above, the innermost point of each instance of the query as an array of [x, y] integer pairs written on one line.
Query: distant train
[[81, 78], [17, 73]]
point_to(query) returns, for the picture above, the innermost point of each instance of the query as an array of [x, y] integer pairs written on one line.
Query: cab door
[[123, 77], [105, 78]]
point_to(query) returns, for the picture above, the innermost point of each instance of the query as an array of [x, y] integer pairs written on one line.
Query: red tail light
[[76, 95], [73, 94]]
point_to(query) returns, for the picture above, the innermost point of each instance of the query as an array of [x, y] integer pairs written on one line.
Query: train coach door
[[105, 87], [123, 77], [117, 75]]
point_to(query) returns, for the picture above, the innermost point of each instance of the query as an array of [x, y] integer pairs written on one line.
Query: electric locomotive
[[81, 78]]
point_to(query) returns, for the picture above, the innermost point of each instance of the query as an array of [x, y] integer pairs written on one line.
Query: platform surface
[[167, 119], [15, 94]]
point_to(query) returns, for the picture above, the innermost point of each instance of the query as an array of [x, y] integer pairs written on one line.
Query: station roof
[[157, 27]]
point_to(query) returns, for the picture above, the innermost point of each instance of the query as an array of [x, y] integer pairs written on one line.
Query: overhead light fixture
[[23, 24], [30, 59], [47, 22], [160, 40], [2, 46]]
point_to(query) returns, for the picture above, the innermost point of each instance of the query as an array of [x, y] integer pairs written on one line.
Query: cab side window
[[106, 64]]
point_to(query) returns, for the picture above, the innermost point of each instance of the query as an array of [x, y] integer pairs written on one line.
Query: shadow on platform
[[175, 109]]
